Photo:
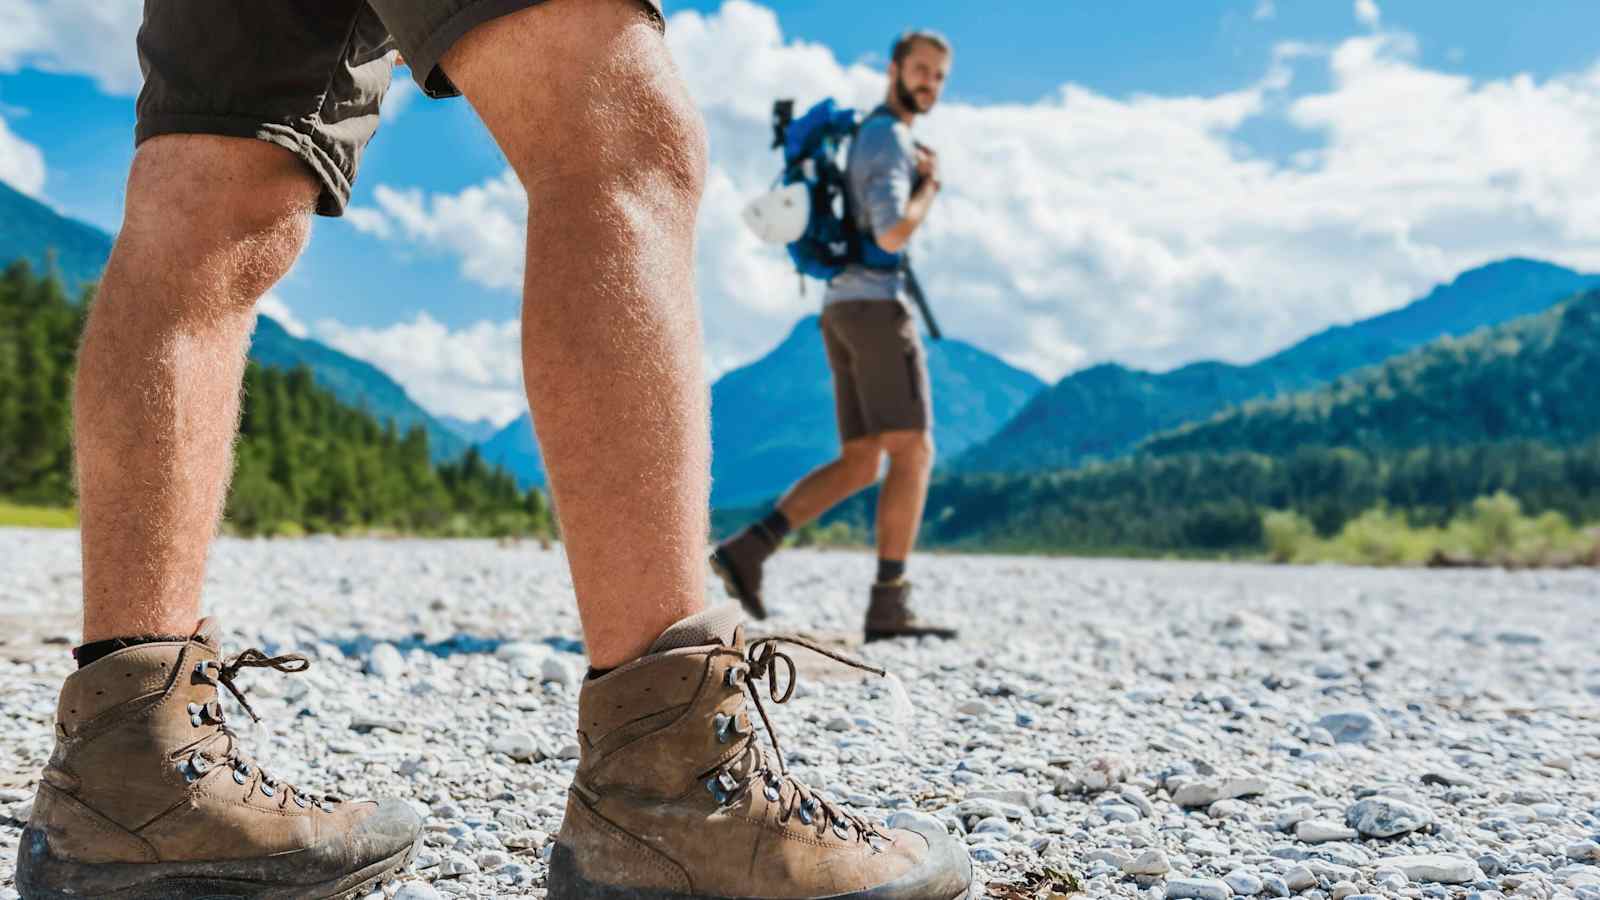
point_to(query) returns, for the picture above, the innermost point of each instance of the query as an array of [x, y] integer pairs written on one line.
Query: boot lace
[[223, 745], [794, 798]]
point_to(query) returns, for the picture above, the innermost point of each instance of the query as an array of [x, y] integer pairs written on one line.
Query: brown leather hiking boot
[[675, 796], [889, 615], [738, 560], [148, 794]]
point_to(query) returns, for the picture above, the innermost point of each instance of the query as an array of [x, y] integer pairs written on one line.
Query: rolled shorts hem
[[334, 195]]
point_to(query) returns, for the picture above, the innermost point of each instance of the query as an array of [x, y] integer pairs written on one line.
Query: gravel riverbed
[[1155, 729]]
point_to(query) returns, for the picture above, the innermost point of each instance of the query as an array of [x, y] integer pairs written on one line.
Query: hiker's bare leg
[[905, 491], [826, 486], [585, 102], [210, 224]]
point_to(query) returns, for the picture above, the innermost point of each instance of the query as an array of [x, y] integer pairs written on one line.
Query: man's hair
[[907, 41]]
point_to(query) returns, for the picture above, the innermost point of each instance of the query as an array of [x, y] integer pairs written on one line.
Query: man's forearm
[[895, 239]]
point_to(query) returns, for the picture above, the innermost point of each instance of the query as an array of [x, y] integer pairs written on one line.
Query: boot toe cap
[[944, 871], [379, 830]]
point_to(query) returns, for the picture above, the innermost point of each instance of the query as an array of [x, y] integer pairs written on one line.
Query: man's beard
[[907, 97]]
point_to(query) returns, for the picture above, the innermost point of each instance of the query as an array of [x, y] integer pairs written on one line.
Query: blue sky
[[1138, 181]]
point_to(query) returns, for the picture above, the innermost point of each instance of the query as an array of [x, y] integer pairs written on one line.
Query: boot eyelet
[[724, 726], [199, 765], [195, 721], [239, 776], [842, 832], [807, 812], [326, 806], [301, 802], [772, 793], [266, 790]]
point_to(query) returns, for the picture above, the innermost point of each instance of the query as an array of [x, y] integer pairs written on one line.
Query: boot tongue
[[208, 632], [713, 626]]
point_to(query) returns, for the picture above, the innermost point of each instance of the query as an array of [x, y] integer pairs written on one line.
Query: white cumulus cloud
[[21, 163], [88, 37], [472, 372], [1144, 229], [273, 306]]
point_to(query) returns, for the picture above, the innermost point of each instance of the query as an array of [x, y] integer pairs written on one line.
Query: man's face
[[919, 80]]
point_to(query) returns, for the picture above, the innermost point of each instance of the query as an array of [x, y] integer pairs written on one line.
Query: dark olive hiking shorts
[[307, 75], [880, 372]]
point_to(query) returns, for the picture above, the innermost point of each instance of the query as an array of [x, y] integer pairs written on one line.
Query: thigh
[[846, 394], [426, 30], [305, 75], [891, 368]]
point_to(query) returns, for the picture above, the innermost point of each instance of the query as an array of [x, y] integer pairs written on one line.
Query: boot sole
[[941, 634], [734, 585], [44, 876], [566, 884]]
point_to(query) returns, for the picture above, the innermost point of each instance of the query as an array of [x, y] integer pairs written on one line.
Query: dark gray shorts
[[307, 75], [880, 372]]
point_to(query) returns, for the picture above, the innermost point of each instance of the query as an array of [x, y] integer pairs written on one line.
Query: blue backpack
[[831, 241], [812, 147]]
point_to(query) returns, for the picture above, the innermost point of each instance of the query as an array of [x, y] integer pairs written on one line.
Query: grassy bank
[[13, 515], [1494, 532]]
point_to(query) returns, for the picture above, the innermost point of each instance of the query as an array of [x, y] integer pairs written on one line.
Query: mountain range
[[30, 230], [773, 419], [1534, 378], [1106, 411]]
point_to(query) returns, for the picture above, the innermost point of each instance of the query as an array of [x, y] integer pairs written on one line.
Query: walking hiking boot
[[739, 559], [889, 615], [149, 795], [676, 797]]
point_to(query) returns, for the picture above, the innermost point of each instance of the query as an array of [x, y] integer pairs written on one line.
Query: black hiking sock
[[94, 651], [891, 570], [776, 526]]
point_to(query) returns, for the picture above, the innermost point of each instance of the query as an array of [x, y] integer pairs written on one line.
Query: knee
[[634, 145], [861, 466], [914, 451], [228, 214]]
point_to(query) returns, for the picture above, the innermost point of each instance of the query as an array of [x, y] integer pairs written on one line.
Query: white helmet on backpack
[[781, 216]]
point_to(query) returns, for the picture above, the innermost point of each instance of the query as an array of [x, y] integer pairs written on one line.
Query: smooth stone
[[1300, 878], [1383, 817], [1442, 868], [385, 662], [1197, 889], [556, 670], [910, 819], [417, 890], [520, 746], [1244, 882], [1319, 831], [1353, 726], [1150, 862], [1204, 792]]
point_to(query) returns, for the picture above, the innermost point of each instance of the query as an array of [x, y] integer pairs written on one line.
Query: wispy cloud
[[1368, 14]]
